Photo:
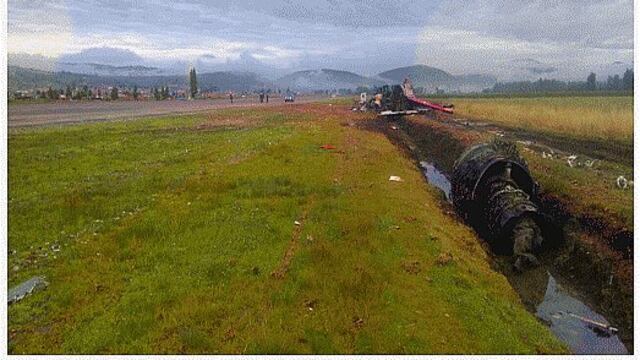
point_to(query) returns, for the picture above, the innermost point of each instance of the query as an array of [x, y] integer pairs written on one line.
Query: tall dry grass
[[596, 118]]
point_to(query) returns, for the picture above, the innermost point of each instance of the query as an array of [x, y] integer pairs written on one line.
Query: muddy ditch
[[579, 290]]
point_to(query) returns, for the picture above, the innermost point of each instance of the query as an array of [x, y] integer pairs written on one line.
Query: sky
[[510, 39]]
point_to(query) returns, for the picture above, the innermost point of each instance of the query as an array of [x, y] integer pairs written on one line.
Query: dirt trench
[[599, 274]]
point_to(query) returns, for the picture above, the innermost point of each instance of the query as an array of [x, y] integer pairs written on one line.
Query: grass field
[[605, 118], [236, 233]]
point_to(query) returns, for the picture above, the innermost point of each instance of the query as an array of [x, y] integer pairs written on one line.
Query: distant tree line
[[613, 83], [161, 93]]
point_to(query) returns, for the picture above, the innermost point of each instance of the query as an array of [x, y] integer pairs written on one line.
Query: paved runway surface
[[67, 112]]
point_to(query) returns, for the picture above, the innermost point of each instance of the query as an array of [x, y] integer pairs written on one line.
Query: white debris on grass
[[622, 182], [395, 178], [571, 160]]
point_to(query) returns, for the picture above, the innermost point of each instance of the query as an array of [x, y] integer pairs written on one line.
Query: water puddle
[[436, 178], [576, 324], [573, 322]]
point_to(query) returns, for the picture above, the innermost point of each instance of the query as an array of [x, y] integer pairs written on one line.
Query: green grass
[[169, 236]]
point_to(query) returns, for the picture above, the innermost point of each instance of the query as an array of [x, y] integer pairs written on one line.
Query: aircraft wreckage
[[494, 191], [491, 185]]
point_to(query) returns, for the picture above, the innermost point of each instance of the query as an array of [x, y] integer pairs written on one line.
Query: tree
[[135, 92], [627, 80], [114, 93], [617, 83], [591, 81], [193, 83]]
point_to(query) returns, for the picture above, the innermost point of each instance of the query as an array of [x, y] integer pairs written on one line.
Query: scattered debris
[[393, 127], [622, 182], [395, 178], [20, 291], [327, 147], [311, 304], [358, 322], [297, 223], [403, 112], [600, 325], [571, 160]]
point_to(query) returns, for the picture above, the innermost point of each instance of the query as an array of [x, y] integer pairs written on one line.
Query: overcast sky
[[550, 38]]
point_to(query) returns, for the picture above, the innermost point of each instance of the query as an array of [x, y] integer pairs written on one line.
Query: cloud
[[573, 37], [460, 36], [593, 24], [38, 27]]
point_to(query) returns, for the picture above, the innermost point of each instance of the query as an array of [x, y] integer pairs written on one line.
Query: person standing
[[231, 96], [267, 97], [261, 97]]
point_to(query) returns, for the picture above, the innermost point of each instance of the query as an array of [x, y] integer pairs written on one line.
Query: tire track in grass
[[283, 267]]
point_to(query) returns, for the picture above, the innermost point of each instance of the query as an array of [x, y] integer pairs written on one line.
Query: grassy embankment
[[177, 235]]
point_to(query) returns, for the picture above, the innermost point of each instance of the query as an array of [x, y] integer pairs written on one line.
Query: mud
[[283, 266], [585, 281]]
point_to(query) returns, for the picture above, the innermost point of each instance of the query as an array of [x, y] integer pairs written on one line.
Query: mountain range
[[94, 74], [121, 67], [23, 79], [431, 78]]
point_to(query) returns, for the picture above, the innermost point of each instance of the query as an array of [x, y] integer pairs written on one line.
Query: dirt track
[[67, 112]]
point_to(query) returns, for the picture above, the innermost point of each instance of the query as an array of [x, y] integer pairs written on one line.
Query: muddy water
[[552, 300], [576, 324], [436, 178]]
